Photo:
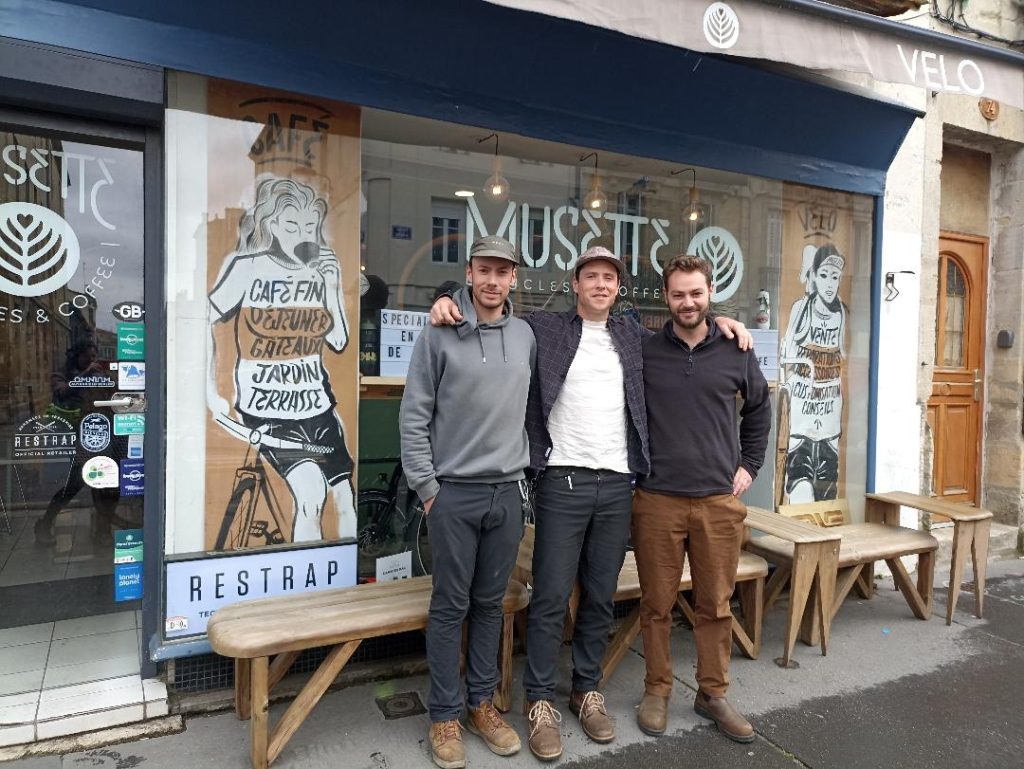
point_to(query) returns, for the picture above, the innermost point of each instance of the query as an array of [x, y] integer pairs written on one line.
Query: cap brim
[[495, 254], [618, 264]]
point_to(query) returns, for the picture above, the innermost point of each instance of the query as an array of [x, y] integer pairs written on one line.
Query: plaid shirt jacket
[[558, 338]]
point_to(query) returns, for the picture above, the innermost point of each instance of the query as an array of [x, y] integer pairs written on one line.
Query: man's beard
[[696, 323]]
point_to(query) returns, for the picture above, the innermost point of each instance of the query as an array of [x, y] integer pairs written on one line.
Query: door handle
[[977, 384], [114, 402], [123, 403]]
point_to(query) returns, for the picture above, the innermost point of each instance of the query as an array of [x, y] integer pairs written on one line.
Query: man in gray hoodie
[[464, 449]]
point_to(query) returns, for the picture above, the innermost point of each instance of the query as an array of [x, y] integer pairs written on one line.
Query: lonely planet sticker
[[131, 341], [133, 477]]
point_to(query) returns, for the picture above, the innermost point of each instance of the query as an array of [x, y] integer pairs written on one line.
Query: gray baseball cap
[[492, 245], [600, 252]]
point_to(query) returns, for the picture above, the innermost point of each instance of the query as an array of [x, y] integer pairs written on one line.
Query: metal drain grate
[[400, 705]]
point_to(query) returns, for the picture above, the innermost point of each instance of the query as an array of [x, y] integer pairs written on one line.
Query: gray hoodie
[[464, 408]]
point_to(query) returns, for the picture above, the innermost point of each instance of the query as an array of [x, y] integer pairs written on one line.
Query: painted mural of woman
[[282, 290], [813, 350]]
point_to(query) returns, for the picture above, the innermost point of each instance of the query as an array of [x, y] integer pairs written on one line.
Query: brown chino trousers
[[710, 531]]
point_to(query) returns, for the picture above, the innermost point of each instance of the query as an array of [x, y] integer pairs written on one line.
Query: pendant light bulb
[[693, 212], [596, 202], [496, 188]]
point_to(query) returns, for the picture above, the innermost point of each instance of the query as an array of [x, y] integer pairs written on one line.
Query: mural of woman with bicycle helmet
[[813, 351], [282, 290]]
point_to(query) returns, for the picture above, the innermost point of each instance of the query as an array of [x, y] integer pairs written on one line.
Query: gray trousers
[[583, 519], [474, 531]]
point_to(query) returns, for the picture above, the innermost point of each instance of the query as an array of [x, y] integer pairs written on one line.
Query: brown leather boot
[[589, 707], [486, 722], [446, 746], [652, 715], [545, 737], [726, 718]]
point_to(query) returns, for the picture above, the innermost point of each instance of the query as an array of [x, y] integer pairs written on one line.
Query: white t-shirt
[[281, 324], [587, 424]]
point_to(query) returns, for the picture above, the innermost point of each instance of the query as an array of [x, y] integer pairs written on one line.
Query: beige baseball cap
[[600, 252]]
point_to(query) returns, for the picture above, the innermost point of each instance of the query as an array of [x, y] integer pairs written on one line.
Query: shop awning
[[808, 34], [484, 65]]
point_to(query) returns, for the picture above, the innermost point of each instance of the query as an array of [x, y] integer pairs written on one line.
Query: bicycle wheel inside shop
[[72, 399]]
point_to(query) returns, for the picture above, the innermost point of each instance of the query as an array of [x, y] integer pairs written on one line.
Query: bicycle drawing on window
[[281, 291]]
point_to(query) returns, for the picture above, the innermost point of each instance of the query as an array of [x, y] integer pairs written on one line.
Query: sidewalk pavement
[[893, 691]]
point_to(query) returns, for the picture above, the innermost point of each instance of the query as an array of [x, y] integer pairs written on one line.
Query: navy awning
[[477, 63]]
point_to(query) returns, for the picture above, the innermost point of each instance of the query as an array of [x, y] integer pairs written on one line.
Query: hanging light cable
[[693, 212], [496, 188], [596, 201]]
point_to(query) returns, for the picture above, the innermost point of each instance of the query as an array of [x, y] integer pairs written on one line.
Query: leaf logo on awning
[[721, 25]]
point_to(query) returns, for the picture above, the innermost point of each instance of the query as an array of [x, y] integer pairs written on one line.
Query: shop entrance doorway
[[72, 371], [955, 405]]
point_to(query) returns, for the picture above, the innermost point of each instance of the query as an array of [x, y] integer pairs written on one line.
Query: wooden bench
[[266, 636], [860, 546], [810, 572], [971, 529], [750, 577]]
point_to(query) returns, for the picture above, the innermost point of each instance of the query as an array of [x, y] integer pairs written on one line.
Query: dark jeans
[[474, 531], [582, 533]]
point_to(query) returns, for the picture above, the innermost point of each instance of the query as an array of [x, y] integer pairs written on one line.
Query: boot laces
[[449, 730], [543, 714], [491, 715], [593, 701]]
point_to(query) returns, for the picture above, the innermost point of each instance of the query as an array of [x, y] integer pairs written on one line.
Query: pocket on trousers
[[437, 499], [738, 507]]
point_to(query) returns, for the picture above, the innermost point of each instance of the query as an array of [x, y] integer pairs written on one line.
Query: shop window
[[448, 225], [393, 201], [263, 276], [790, 261]]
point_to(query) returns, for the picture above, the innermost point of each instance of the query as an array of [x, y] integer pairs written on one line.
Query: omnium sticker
[[197, 588]]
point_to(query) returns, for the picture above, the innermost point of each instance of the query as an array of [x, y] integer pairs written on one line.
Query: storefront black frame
[[53, 90], [567, 82]]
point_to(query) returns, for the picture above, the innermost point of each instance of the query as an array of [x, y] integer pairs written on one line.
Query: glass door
[[72, 372]]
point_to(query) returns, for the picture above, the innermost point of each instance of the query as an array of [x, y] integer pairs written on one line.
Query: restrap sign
[[763, 30]]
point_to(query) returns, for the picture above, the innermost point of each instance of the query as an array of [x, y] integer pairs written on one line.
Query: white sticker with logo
[[39, 251], [101, 473], [722, 250], [131, 375], [721, 25], [175, 624]]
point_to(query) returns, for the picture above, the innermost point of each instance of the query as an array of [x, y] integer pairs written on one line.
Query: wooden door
[[955, 406]]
